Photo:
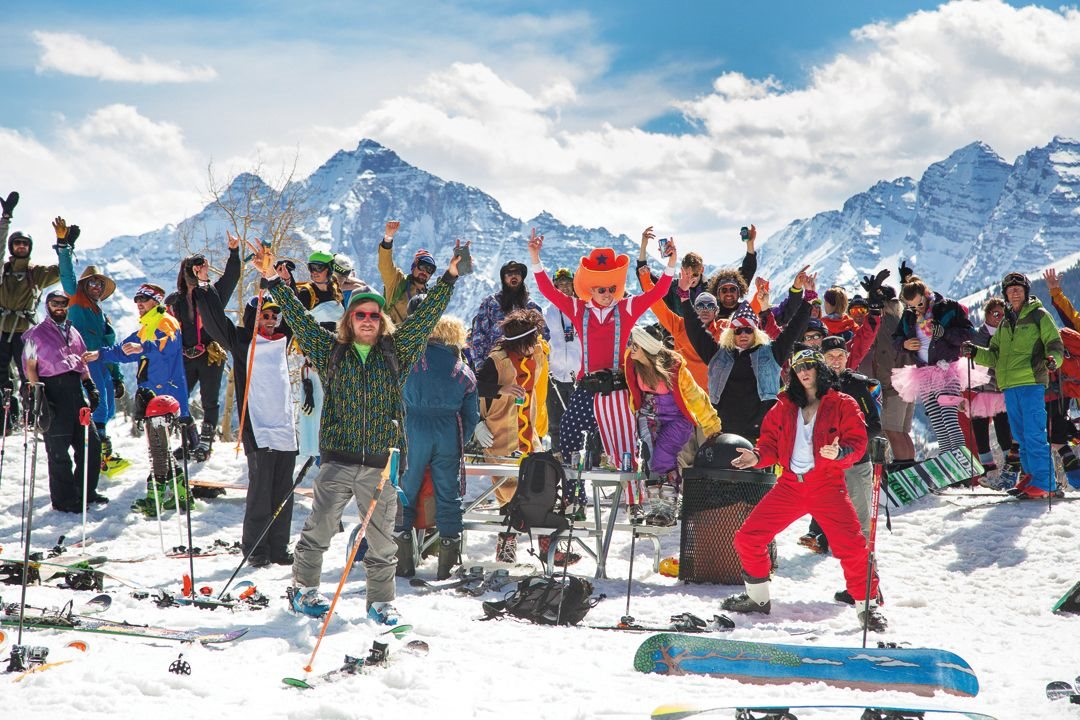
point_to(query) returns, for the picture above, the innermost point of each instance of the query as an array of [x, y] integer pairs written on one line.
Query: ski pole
[[628, 618], [84, 420], [189, 504], [565, 569], [3, 439], [250, 365], [266, 528], [176, 494], [970, 421], [391, 469], [878, 448], [38, 393], [25, 447]]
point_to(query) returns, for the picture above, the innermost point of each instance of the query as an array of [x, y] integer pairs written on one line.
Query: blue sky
[[690, 115]]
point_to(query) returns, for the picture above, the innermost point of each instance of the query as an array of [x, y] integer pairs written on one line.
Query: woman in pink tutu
[[931, 331], [987, 402]]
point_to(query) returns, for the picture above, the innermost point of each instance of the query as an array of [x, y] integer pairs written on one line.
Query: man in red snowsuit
[[814, 432]]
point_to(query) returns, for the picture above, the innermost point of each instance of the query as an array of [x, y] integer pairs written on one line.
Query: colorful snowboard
[[944, 469], [922, 671], [1070, 601], [812, 712]]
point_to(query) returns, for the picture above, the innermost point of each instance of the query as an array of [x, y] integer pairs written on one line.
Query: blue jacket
[[161, 362], [441, 384], [766, 372]]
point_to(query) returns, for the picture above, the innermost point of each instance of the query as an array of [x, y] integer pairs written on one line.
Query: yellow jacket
[[689, 397]]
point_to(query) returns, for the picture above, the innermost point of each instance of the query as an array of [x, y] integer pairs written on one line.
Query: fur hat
[[601, 268]]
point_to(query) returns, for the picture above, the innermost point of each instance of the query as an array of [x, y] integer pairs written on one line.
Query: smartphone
[[744, 233], [663, 243], [465, 265]]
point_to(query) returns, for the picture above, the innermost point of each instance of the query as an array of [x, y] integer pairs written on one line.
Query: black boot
[[205, 445], [449, 556], [406, 565]]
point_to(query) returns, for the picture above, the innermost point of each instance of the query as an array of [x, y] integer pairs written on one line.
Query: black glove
[[969, 349], [119, 391], [143, 396], [309, 397], [72, 235], [9, 204], [872, 286], [92, 395], [936, 331], [189, 434], [26, 398], [905, 272]]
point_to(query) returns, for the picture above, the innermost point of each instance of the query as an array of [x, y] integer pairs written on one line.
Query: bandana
[[151, 291]]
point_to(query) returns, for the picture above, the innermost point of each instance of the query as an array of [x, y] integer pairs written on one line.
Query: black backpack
[[546, 601], [542, 494]]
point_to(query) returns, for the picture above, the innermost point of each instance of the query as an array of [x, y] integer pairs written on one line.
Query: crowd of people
[[807, 381]]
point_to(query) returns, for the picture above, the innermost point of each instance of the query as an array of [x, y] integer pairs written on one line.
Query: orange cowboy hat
[[601, 268]]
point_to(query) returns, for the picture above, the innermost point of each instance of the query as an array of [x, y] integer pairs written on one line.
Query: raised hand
[[262, 259], [61, 229], [801, 278], [905, 272], [391, 230], [832, 450], [233, 240], [9, 204], [685, 276], [670, 252], [647, 236], [535, 243], [1051, 278]]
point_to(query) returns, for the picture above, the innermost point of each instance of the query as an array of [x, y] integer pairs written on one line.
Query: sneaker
[[873, 620], [307, 601], [815, 543], [742, 603], [283, 557], [383, 613]]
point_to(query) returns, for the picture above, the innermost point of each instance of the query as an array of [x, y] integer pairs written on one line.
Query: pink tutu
[[987, 404], [945, 378]]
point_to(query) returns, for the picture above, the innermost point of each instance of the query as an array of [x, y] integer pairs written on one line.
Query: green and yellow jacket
[[1019, 348]]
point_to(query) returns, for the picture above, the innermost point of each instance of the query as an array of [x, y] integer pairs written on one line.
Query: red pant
[[827, 501]]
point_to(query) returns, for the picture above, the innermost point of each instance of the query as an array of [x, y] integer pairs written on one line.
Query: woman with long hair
[[931, 332]]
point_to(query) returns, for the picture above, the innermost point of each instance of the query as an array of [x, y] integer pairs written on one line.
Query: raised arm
[[217, 325], [700, 338], [565, 304], [226, 284]]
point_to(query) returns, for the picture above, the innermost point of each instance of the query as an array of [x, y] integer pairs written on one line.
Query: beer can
[[627, 462], [519, 401]]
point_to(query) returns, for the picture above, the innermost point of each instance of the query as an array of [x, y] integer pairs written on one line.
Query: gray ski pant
[[335, 485]]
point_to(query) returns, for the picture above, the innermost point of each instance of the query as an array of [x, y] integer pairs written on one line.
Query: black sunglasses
[[744, 331], [606, 290], [318, 267]]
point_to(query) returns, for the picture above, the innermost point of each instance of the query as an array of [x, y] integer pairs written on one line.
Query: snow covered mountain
[[346, 203], [966, 222]]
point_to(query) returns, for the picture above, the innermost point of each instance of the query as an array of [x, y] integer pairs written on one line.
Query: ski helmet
[[162, 405], [1014, 279], [19, 235]]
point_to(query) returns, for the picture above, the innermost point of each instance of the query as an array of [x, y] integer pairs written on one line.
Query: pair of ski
[[787, 712], [88, 620], [378, 656], [247, 597], [681, 623], [1061, 690], [475, 581]]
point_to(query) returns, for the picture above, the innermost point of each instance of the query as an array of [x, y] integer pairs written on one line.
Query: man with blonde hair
[[441, 412]]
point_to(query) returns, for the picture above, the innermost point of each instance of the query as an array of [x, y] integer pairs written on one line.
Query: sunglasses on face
[[605, 290], [813, 336], [270, 315], [706, 307], [996, 313], [729, 290], [744, 331], [20, 241], [57, 304], [804, 366], [95, 284], [373, 315], [916, 306]]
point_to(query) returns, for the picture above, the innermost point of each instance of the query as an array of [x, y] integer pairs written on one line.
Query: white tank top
[[802, 454]]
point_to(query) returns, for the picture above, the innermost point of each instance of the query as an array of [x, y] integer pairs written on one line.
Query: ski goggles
[[706, 306], [318, 267], [806, 360]]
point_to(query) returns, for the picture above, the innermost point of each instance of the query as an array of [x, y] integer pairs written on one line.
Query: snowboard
[[904, 487], [69, 652], [1070, 601], [831, 712], [1062, 690], [922, 671]]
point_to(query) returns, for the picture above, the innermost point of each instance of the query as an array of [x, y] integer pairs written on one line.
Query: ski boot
[[307, 601], [378, 655], [205, 446], [180, 499], [111, 463], [148, 506], [383, 613], [449, 556]]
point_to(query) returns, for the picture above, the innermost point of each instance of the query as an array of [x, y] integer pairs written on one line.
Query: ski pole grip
[[84, 416], [879, 447]]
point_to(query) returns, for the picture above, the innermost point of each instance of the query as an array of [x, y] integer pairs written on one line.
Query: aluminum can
[[627, 462]]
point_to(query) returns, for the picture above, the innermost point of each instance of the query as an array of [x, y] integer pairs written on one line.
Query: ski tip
[[297, 683], [673, 712], [80, 645]]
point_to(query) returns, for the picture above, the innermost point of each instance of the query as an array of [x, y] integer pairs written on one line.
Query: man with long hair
[[513, 295], [362, 367], [814, 433], [204, 359]]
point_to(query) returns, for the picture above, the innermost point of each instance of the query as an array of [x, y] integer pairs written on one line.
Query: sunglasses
[[729, 289], [95, 283], [318, 267], [57, 304], [270, 315], [373, 315], [858, 311], [143, 298], [744, 331], [915, 306], [605, 290], [706, 306], [996, 313], [813, 336], [803, 366], [20, 241]]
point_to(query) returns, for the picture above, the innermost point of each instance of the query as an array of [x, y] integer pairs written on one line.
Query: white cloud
[[74, 54], [114, 172]]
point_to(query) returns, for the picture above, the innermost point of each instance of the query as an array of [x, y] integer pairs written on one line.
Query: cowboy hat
[[601, 268], [91, 271]]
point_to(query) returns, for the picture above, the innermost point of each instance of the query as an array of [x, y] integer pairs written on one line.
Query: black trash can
[[715, 502]]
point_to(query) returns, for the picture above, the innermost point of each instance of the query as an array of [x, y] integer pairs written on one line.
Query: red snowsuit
[[821, 493]]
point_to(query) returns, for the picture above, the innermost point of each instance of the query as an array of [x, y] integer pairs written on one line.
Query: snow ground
[[978, 581]]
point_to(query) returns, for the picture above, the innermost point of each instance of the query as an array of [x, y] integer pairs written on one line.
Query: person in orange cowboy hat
[[603, 315]]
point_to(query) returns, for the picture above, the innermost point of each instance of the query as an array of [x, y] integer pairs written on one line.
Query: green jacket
[[1019, 348], [397, 287], [362, 414]]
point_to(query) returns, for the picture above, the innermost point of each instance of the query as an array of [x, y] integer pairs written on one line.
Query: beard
[[58, 315], [511, 299]]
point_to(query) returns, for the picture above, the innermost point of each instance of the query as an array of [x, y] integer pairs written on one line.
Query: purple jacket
[[58, 349]]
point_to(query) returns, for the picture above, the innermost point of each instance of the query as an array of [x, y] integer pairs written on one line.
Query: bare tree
[[256, 211]]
